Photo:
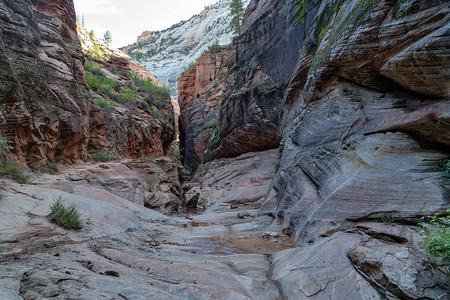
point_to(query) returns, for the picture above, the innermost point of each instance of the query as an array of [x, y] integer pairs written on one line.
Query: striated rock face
[[166, 53], [259, 70], [240, 181], [264, 57], [366, 116], [53, 112], [200, 95], [132, 113], [43, 94]]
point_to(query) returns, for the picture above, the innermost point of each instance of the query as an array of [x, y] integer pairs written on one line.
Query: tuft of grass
[[100, 156], [66, 217], [14, 171], [151, 183]]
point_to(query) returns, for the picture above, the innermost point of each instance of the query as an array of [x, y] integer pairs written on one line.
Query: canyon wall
[[132, 113], [356, 95], [366, 116], [49, 110], [200, 95], [254, 82], [43, 95]]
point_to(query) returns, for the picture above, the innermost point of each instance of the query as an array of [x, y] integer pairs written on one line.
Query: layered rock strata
[[43, 95], [201, 90], [52, 107], [257, 74], [365, 120]]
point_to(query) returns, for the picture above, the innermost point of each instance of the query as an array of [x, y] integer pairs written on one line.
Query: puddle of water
[[241, 243]]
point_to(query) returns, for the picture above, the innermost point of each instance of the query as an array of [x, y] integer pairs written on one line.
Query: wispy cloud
[[97, 7]]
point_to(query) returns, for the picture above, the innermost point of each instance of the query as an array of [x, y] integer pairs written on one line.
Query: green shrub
[[14, 171], [93, 81], [89, 66], [436, 239], [101, 157], [66, 217], [127, 95], [109, 82], [191, 65], [215, 48], [5, 144], [156, 93], [105, 104]]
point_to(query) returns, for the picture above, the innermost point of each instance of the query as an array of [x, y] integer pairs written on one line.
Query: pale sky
[[127, 19]]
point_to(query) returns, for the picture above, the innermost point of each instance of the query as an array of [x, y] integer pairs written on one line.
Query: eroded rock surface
[[358, 145], [126, 250], [43, 95], [200, 92]]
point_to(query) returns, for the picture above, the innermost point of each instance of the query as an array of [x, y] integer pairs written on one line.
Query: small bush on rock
[[99, 156], [14, 171], [5, 144], [436, 239], [66, 217]]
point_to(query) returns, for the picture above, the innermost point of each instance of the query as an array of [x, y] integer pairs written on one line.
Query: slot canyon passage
[[297, 157]]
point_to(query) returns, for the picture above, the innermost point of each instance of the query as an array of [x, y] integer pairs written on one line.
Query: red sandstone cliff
[[43, 95], [49, 110], [200, 92]]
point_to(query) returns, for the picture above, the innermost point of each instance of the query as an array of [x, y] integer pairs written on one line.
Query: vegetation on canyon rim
[[237, 13]]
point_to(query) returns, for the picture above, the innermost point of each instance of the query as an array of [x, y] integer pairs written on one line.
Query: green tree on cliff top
[[237, 13], [107, 37]]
